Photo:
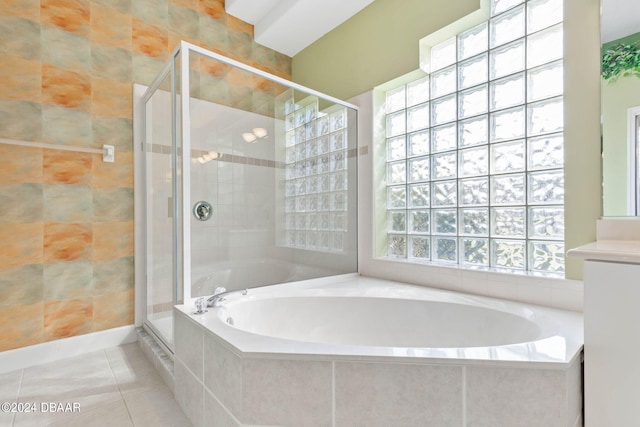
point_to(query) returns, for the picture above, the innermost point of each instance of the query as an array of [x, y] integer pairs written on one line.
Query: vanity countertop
[[626, 251]]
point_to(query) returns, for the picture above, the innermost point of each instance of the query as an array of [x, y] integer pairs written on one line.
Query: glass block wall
[[474, 150], [316, 178]]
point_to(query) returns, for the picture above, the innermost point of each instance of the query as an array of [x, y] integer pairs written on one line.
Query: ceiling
[[620, 18], [289, 26]]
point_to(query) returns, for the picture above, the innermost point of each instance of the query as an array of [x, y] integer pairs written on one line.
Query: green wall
[[377, 45], [617, 96], [381, 43]]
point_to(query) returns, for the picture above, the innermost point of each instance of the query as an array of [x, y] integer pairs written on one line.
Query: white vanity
[[612, 323]]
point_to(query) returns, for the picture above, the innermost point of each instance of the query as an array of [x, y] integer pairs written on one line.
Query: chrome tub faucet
[[219, 295]]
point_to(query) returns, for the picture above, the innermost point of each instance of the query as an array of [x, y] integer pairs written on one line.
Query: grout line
[[113, 374], [464, 395], [13, 418], [229, 413], [333, 393]]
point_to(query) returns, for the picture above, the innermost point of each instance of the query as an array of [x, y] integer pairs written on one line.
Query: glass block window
[[474, 150], [315, 176]]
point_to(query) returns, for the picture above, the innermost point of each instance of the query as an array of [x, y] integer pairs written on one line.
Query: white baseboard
[[51, 351]]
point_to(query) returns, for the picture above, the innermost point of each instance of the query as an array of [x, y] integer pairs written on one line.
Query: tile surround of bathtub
[[216, 414], [68, 67], [306, 386], [494, 394], [189, 393], [564, 294], [190, 341], [377, 394], [222, 373], [320, 391]]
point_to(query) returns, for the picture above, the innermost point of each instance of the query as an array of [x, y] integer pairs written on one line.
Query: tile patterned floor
[[114, 387]]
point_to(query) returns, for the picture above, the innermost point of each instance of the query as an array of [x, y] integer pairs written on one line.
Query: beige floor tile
[[116, 387], [156, 408], [9, 386], [132, 370], [86, 379], [112, 415]]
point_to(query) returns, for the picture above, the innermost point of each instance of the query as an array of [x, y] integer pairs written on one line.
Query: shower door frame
[[187, 48], [169, 69], [181, 228]]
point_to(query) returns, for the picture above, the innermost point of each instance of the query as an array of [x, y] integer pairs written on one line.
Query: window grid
[[486, 197], [315, 176]]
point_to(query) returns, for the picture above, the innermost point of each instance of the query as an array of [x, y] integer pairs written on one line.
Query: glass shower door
[[277, 166], [160, 162]]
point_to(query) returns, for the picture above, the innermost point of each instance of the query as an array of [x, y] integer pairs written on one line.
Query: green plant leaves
[[621, 60]]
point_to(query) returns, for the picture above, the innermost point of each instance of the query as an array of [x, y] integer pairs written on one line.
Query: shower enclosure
[[249, 180]]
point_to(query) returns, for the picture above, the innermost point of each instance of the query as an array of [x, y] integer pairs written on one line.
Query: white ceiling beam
[[620, 18], [289, 26], [250, 11]]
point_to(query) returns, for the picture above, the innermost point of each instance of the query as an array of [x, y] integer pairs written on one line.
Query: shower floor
[[163, 323]]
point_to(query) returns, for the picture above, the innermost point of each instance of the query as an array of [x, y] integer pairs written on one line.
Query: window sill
[[475, 268]]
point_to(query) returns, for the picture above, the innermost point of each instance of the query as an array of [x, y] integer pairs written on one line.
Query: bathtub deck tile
[[189, 394], [574, 391], [223, 374], [189, 343], [215, 414], [512, 396], [287, 392], [377, 394]]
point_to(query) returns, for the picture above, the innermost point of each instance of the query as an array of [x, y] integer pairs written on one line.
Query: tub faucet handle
[[219, 290], [200, 306]]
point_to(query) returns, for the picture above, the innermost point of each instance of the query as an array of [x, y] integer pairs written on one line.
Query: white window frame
[[633, 151], [459, 263]]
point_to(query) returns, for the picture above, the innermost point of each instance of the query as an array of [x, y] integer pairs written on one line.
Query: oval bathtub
[[359, 316], [352, 350], [387, 322]]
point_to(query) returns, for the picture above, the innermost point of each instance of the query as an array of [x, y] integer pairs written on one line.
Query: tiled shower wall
[[66, 219]]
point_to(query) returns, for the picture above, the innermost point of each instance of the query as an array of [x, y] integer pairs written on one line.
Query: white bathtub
[[352, 334]]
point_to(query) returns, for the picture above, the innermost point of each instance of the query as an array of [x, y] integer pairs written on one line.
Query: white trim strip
[[20, 358], [185, 123], [186, 45], [107, 151]]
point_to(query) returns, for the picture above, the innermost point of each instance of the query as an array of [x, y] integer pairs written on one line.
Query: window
[[316, 176], [474, 150]]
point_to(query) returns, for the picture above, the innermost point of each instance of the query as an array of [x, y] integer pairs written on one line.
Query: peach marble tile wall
[[66, 219]]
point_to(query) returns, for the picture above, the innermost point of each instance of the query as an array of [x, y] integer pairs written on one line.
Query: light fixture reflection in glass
[[255, 135], [207, 157], [249, 137], [260, 132]]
